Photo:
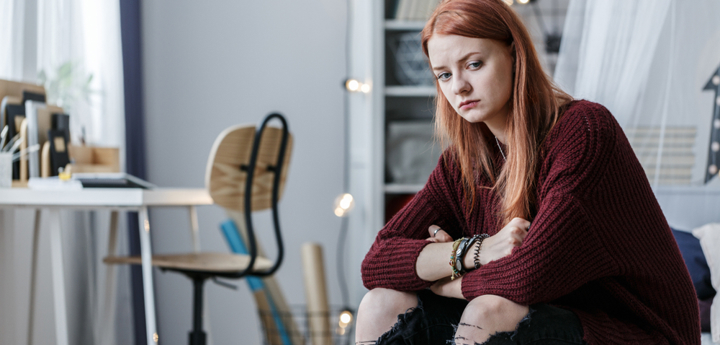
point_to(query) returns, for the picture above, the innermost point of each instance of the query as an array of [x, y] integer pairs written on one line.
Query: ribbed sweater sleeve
[[390, 263], [564, 249]]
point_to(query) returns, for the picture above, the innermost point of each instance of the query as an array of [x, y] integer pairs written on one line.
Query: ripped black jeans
[[434, 320]]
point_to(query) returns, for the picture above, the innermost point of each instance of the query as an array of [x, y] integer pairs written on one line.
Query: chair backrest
[[224, 177]]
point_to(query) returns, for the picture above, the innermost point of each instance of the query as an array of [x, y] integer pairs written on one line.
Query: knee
[[488, 307], [379, 301]]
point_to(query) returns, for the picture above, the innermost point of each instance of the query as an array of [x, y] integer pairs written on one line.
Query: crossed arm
[[432, 263]]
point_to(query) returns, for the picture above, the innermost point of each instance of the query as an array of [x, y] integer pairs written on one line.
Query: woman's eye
[[443, 76], [475, 64]]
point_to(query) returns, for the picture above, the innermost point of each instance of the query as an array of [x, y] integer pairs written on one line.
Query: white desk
[[114, 199]]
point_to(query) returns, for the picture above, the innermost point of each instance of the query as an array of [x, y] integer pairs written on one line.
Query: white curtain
[[12, 14], [86, 34], [648, 62], [42, 36]]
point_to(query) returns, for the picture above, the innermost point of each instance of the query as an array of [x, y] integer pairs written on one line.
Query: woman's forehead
[[454, 47]]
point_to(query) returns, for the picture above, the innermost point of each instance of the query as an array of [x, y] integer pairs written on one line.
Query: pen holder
[[6, 169]]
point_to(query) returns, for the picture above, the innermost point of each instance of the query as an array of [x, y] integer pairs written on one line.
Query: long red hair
[[535, 107]]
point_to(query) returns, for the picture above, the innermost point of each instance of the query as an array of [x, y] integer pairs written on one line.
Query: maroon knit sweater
[[599, 244]]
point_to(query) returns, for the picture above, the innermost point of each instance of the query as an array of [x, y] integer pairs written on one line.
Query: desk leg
[[109, 306], [195, 228], [58, 275], [33, 274], [148, 290]]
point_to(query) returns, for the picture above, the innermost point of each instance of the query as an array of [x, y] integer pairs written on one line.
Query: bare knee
[[386, 301], [495, 311], [378, 311]]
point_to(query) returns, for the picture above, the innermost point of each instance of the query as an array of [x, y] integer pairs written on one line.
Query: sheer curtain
[[649, 63], [42, 36], [654, 65]]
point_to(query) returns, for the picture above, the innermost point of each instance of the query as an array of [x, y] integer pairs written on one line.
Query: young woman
[[538, 224]]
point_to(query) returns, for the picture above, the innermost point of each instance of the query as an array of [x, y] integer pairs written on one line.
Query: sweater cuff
[[397, 271]]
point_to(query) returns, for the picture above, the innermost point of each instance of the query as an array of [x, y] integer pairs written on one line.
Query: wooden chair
[[242, 159]]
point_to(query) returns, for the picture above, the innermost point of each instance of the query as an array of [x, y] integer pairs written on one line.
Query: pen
[[30, 149], [11, 142], [3, 134], [15, 146]]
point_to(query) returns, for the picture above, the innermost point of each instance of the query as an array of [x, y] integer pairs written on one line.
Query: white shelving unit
[[395, 188], [370, 113], [410, 91], [402, 103], [403, 25]]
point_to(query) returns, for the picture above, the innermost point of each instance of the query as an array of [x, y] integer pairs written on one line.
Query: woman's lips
[[468, 104]]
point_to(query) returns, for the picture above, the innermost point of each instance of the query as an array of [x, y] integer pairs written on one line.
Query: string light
[[354, 85], [523, 2], [344, 204], [346, 318]]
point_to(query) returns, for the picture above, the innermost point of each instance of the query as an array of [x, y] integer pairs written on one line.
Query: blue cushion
[[695, 261]]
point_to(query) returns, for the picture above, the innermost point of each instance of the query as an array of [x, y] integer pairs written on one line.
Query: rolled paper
[[316, 294]]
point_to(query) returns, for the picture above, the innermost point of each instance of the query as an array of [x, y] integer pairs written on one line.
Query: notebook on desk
[[111, 180]]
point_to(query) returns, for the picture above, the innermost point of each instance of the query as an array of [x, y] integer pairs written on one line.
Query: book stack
[[413, 10], [674, 152]]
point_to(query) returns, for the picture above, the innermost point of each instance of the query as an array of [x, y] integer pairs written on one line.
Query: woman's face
[[475, 75]]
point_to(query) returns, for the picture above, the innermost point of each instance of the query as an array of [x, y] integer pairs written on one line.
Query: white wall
[[212, 64]]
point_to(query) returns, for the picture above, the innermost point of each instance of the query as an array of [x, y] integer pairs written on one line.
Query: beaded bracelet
[[453, 259]]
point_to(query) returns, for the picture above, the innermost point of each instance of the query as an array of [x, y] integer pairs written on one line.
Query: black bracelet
[[476, 258], [465, 245]]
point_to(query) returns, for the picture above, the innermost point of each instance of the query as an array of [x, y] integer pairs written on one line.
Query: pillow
[[696, 263], [709, 236]]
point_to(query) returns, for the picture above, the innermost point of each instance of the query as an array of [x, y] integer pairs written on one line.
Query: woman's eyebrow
[[463, 59]]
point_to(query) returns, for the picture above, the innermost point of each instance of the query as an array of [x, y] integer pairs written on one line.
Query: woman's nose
[[460, 85]]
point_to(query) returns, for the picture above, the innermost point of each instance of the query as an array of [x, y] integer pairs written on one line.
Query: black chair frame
[[197, 336]]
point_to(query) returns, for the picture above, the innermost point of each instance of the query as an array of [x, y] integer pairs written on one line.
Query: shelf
[[410, 91], [395, 188], [404, 25]]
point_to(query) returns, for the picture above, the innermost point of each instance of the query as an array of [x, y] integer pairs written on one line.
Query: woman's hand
[[501, 244], [448, 288], [438, 237]]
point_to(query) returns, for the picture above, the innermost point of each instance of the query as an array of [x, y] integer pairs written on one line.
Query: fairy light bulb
[[346, 318], [365, 88], [523, 2], [343, 204], [352, 85]]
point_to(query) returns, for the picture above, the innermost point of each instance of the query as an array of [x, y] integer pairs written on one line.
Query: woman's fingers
[[442, 236], [520, 223], [432, 229], [438, 234]]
